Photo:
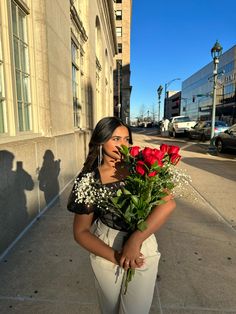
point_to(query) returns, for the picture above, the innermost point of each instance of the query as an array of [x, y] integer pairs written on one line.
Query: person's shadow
[[13, 202], [48, 177]]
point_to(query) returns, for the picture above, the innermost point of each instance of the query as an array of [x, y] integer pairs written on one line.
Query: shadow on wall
[[13, 203], [48, 177]]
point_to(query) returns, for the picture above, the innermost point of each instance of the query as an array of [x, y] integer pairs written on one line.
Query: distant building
[[172, 104], [196, 99], [122, 88], [56, 82]]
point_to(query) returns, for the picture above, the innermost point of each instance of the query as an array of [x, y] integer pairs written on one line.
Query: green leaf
[[124, 150], [142, 225], [135, 200], [125, 191], [119, 192]]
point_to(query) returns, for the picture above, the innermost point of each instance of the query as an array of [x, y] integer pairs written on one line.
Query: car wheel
[[174, 134], [219, 146]]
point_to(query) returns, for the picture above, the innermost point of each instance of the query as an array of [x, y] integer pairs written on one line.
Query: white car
[[180, 125]]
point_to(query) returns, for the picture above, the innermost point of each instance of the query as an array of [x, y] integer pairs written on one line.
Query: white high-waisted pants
[[109, 278]]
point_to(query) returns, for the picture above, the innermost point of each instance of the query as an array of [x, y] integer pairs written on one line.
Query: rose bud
[[140, 167], [152, 174], [164, 148], [173, 149], [174, 158], [134, 151]]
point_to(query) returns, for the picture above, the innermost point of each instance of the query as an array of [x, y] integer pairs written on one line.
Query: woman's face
[[119, 137]]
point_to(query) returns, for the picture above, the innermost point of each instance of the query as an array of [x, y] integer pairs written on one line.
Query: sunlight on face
[[119, 137]]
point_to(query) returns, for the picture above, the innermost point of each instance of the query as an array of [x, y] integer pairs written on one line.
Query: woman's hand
[[130, 256]]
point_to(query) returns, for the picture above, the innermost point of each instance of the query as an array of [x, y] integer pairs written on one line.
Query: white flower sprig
[[181, 180], [90, 191]]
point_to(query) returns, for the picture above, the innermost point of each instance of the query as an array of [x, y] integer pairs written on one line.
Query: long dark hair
[[102, 133]]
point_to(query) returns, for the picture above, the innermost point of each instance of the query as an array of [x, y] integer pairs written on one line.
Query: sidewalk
[[48, 273]]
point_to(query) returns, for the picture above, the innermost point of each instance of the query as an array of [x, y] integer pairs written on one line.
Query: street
[[47, 272], [198, 244]]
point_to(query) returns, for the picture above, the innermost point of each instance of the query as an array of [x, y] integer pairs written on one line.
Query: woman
[[112, 249]]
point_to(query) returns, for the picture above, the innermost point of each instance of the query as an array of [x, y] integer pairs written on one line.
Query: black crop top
[[107, 216]]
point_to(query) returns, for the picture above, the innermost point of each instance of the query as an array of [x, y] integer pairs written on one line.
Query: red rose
[[140, 167], [164, 148], [158, 154], [150, 160], [173, 149], [134, 151], [147, 151], [152, 174], [174, 158]]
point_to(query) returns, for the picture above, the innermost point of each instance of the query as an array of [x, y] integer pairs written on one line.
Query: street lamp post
[[119, 110], [159, 91], [166, 86], [216, 52]]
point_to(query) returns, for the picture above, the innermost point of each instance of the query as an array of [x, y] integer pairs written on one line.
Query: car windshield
[[217, 123], [182, 119], [220, 123]]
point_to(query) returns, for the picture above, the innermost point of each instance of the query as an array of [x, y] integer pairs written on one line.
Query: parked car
[[180, 125], [226, 140], [202, 130]]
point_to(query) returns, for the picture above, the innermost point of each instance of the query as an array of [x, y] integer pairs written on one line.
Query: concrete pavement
[[47, 272]]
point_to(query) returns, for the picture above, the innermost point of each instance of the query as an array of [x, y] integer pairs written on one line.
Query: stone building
[[56, 82], [122, 88]]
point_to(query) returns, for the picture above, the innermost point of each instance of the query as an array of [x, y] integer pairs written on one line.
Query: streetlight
[[159, 91], [216, 52], [166, 86], [119, 110]]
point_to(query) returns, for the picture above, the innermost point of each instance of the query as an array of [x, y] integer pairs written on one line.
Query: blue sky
[[171, 39]]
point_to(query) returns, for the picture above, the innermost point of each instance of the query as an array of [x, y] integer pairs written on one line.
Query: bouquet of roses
[[151, 179]]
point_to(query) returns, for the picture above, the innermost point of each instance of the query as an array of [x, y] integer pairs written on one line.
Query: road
[[47, 272], [197, 272]]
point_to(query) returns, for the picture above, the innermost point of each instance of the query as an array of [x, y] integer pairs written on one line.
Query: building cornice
[[77, 21], [107, 15]]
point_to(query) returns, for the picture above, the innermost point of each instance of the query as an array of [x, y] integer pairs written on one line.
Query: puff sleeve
[[78, 208]]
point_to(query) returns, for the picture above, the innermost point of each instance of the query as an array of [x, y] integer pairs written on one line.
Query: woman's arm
[[83, 235], [155, 220]]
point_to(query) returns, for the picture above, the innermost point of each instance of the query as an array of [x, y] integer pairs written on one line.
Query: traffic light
[[194, 98]]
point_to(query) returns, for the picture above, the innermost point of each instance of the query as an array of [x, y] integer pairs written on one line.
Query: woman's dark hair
[[102, 133]]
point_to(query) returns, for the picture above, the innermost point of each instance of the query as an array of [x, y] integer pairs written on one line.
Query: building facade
[[56, 82], [196, 99], [172, 104], [122, 88]]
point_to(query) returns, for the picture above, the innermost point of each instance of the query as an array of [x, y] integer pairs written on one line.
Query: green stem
[[129, 275]]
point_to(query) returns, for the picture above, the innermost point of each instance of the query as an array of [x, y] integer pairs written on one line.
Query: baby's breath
[[181, 181], [90, 191]]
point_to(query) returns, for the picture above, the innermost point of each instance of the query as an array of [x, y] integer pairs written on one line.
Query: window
[[75, 84], [21, 65], [119, 48], [118, 31], [118, 15], [3, 118]]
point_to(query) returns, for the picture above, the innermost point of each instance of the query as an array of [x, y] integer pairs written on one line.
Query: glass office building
[[196, 99]]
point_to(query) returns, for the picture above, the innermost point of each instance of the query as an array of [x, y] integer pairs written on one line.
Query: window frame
[[21, 65], [3, 109], [118, 31], [118, 16]]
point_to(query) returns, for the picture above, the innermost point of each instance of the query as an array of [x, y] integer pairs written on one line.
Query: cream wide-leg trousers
[[109, 278]]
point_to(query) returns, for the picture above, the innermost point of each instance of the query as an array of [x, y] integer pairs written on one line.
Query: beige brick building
[[122, 88], [56, 82]]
